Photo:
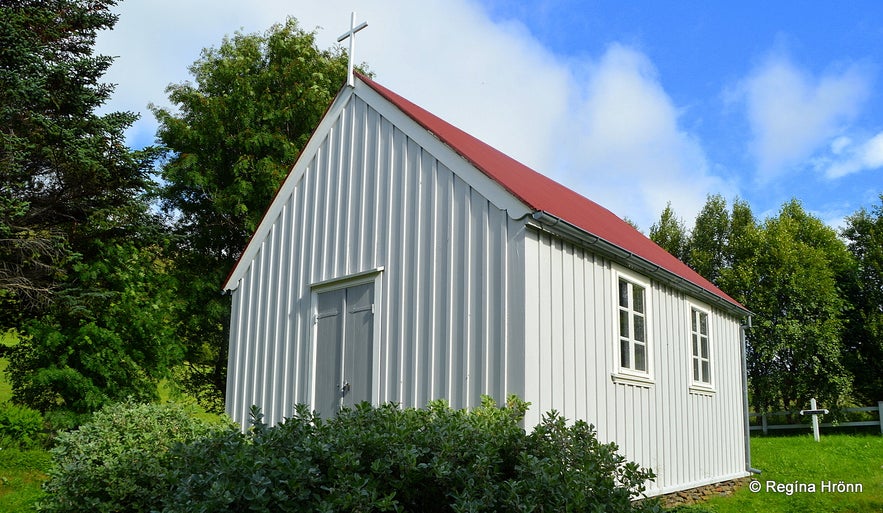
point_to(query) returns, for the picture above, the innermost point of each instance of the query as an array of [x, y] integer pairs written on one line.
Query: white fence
[[765, 427]]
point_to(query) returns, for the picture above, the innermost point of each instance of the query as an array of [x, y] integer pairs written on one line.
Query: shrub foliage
[[153, 458], [116, 462], [20, 427], [388, 459]]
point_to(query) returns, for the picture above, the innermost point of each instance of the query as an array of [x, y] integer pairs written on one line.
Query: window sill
[[629, 379], [702, 390]]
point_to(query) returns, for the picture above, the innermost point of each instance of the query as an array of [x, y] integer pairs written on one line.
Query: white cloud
[[794, 114], [492, 80], [155, 42], [852, 158], [607, 129], [839, 144], [489, 79], [872, 154], [628, 150]]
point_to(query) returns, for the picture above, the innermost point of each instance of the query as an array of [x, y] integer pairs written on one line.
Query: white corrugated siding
[[571, 348], [471, 302], [371, 197]]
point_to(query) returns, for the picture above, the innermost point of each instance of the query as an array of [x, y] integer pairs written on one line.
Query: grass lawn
[[5, 386], [6, 339], [21, 472], [797, 472], [21, 475], [793, 466]]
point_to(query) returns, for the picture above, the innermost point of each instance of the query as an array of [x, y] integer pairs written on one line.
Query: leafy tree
[[632, 223], [796, 350], [816, 307], [721, 246], [670, 233], [738, 275], [107, 337], [864, 340], [707, 248], [83, 276], [237, 130]]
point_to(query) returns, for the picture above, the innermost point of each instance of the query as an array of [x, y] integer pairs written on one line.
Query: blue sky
[[631, 103]]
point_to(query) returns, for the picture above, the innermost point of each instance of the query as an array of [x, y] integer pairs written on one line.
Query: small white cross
[[351, 33], [815, 412]]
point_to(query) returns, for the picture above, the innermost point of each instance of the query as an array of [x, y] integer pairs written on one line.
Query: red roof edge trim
[[561, 226], [545, 195]]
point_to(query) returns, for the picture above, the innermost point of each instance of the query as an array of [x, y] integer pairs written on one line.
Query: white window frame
[[699, 386], [630, 375]]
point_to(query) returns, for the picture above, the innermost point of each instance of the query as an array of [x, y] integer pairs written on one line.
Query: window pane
[[703, 324], [640, 357], [706, 373], [623, 323], [695, 369], [639, 328], [693, 318], [695, 345], [638, 292], [623, 294], [624, 350], [705, 348]]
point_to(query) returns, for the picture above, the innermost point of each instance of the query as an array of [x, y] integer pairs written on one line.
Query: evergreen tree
[[79, 246], [62, 164]]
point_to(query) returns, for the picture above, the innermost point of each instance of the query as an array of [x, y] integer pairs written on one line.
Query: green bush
[[388, 459], [20, 427], [116, 461]]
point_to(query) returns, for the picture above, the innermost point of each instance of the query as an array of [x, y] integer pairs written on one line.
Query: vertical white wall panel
[[688, 438], [369, 198], [236, 355]]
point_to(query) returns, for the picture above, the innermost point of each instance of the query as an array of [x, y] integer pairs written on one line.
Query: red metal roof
[[544, 194]]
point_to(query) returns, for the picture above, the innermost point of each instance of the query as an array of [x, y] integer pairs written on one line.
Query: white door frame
[[370, 276]]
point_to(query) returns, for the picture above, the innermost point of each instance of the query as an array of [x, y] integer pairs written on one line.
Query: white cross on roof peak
[[351, 34]]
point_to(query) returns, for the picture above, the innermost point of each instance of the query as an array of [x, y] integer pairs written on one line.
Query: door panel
[[358, 352], [344, 348], [328, 351]]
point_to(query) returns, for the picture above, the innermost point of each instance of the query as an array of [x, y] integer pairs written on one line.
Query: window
[[701, 350], [633, 351]]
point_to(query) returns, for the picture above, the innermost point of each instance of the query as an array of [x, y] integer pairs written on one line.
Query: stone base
[[702, 493]]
